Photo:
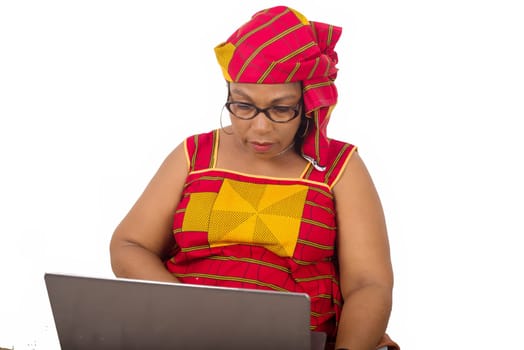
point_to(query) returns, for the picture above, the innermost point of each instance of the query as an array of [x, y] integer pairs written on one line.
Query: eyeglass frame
[[296, 109]]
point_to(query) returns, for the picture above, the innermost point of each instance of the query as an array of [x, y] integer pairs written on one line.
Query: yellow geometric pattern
[[196, 217], [248, 213]]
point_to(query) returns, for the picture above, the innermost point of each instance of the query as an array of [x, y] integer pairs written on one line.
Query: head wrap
[[279, 45]]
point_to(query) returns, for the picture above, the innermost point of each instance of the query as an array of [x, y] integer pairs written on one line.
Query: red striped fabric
[[279, 45]]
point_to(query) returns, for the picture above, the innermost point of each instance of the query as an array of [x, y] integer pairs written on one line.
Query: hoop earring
[[306, 129], [221, 126]]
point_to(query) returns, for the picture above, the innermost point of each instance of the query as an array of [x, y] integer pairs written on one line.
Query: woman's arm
[[144, 238], [366, 276]]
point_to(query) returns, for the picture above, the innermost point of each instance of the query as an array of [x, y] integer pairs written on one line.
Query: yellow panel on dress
[[196, 217], [258, 214]]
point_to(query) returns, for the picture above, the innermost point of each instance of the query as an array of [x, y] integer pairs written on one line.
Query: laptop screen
[[104, 313]]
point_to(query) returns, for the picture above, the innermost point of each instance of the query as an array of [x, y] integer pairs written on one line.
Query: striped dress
[[238, 230]]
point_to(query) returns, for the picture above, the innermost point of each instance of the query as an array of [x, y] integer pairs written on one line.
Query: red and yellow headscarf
[[279, 45]]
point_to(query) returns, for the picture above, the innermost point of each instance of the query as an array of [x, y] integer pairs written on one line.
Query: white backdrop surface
[[94, 95]]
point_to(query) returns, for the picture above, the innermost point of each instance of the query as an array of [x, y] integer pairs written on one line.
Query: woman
[[270, 202]]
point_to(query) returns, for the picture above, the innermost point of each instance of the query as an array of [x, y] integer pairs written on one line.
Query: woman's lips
[[261, 146]]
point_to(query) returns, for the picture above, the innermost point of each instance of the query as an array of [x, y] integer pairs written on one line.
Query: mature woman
[[270, 202]]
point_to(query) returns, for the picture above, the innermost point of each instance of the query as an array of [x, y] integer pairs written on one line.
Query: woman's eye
[[244, 106], [281, 109]]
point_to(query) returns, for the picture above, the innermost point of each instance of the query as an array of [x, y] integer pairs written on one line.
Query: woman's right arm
[[143, 239]]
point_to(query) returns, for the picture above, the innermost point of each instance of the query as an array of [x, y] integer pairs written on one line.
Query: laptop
[[115, 313]]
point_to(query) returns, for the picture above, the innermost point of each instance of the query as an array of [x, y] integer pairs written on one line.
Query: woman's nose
[[261, 122]]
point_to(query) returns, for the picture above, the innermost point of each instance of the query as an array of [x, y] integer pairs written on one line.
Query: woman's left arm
[[366, 275]]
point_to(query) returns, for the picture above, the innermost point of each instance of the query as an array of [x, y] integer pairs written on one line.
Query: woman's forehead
[[275, 90]]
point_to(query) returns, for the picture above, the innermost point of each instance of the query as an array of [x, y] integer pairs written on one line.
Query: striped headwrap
[[279, 45]]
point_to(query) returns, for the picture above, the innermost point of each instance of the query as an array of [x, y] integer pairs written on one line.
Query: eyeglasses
[[277, 114]]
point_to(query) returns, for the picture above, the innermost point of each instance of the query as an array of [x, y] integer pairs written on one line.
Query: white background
[[94, 94]]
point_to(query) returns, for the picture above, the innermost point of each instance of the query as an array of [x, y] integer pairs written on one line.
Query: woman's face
[[261, 136]]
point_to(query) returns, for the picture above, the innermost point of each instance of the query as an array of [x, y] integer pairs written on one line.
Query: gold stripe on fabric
[[297, 51], [308, 173], [212, 178], [314, 278], [314, 30], [263, 46], [316, 314], [249, 260], [330, 35], [248, 34], [306, 263], [292, 74], [303, 263], [313, 244], [317, 85], [177, 230], [307, 169], [193, 158], [322, 296], [317, 61], [346, 161], [327, 194], [212, 159], [209, 178], [335, 162], [231, 278], [192, 249], [266, 73], [328, 66], [313, 204]]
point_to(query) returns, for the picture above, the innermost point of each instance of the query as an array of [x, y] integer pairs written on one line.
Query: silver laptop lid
[[103, 313]]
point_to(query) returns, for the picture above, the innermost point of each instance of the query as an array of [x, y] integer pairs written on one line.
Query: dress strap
[[201, 150], [339, 155]]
